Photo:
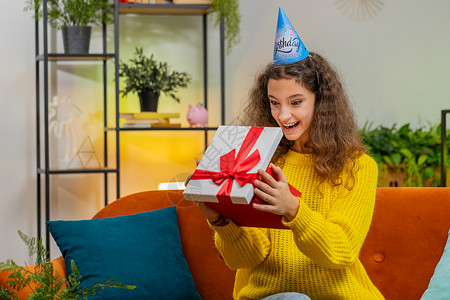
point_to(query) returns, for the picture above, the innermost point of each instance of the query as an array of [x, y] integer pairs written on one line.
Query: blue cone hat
[[289, 47]]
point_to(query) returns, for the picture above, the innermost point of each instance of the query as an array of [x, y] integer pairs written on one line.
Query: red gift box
[[225, 175]]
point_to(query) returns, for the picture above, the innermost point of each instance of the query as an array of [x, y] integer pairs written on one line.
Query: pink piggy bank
[[197, 116]]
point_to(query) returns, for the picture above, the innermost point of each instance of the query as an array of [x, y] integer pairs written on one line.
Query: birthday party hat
[[289, 47]]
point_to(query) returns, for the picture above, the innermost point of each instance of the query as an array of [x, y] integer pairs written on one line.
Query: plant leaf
[[396, 159], [422, 159]]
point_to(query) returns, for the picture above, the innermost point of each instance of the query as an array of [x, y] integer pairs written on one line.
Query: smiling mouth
[[291, 125]]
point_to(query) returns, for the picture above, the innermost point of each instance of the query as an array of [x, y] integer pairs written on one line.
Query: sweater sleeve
[[335, 241], [242, 247]]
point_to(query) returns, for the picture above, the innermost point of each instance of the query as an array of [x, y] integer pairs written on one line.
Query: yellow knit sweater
[[319, 254]]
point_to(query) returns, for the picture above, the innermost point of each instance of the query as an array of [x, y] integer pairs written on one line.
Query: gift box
[[228, 167], [234, 155]]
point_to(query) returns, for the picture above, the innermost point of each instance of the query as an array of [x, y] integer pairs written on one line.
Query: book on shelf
[[152, 115], [161, 117], [149, 115], [143, 121], [148, 125], [126, 125], [166, 125], [150, 119]]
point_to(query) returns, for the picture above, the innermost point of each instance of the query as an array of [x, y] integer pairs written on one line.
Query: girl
[[322, 156]]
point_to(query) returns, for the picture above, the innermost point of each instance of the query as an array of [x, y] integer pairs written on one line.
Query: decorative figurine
[[61, 114], [197, 116]]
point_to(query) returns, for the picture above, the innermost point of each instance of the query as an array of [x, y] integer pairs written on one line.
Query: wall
[[395, 67], [17, 134]]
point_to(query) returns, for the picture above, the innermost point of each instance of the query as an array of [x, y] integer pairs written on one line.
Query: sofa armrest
[[59, 268]]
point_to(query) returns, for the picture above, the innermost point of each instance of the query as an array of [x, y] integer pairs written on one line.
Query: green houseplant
[[73, 17], [410, 155], [229, 11], [42, 280], [149, 78]]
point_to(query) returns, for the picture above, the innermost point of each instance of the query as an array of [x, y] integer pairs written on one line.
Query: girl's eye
[[272, 102], [297, 102]]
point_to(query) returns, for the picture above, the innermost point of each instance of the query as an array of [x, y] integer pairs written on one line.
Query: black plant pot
[[76, 39], [148, 101]]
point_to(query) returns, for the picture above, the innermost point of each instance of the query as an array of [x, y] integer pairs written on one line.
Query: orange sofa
[[404, 244]]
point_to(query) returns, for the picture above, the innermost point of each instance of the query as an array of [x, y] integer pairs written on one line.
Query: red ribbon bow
[[234, 167]]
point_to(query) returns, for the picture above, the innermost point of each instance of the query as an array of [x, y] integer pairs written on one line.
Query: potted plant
[[229, 11], [148, 78], [73, 17], [406, 157]]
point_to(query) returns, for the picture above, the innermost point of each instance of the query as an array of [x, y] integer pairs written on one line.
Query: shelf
[[79, 171], [75, 57], [164, 9], [43, 86]]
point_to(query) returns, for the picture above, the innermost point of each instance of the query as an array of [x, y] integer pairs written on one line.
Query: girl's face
[[292, 106]]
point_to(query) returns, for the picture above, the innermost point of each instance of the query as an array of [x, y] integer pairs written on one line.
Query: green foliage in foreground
[[42, 280]]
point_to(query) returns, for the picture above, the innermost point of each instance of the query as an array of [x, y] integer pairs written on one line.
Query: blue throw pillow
[[439, 286], [143, 249]]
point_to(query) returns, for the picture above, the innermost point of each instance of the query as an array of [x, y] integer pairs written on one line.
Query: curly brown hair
[[334, 141]]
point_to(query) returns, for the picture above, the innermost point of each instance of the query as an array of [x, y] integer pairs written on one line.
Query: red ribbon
[[234, 167]]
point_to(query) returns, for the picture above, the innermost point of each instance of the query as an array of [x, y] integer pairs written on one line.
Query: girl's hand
[[210, 213], [275, 192]]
